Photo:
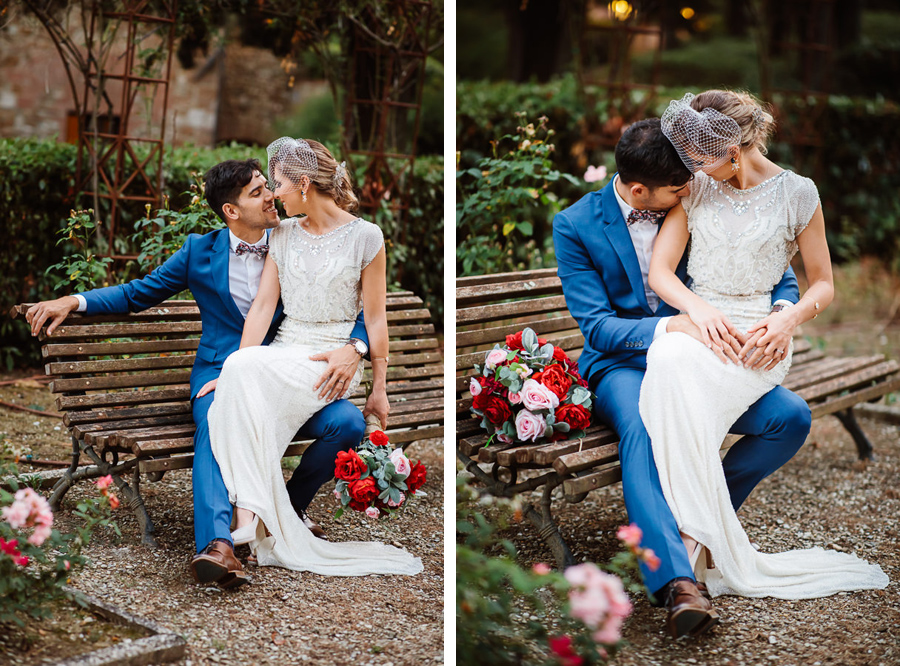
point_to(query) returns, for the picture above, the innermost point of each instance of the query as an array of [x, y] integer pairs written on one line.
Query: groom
[[222, 269], [603, 246]]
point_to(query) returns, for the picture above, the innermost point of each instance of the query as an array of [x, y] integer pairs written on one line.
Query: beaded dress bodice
[[320, 278], [743, 240]]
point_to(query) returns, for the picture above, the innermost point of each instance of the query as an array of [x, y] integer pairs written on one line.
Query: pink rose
[[337, 493], [506, 439], [541, 569], [630, 535], [494, 358], [536, 396], [372, 512], [474, 386], [594, 174], [392, 503], [104, 481], [649, 558], [41, 534], [401, 462], [16, 514], [598, 599], [529, 426], [515, 398]]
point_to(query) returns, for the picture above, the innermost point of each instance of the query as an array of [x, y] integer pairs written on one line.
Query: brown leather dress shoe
[[313, 526], [217, 564], [690, 613]]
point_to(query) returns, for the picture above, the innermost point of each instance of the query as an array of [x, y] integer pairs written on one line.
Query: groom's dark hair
[[645, 155], [225, 181]]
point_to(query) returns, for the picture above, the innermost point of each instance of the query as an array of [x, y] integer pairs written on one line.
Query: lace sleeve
[[277, 240], [371, 241], [802, 198], [688, 202]]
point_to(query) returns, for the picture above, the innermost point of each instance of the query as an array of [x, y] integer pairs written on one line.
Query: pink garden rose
[[474, 386], [30, 510], [506, 439], [536, 396], [598, 599], [541, 569], [529, 426], [104, 482], [594, 174], [515, 398], [494, 358], [401, 462], [372, 512], [630, 535], [391, 503]]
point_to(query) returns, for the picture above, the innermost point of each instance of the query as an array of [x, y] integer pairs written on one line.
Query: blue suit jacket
[[602, 283], [200, 265]]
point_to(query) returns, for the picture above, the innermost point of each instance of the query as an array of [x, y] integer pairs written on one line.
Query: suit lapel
[[219, 272], [617, 232]]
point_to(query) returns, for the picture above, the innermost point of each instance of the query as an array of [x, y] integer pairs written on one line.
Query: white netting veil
[[292, 158], [702, 138]]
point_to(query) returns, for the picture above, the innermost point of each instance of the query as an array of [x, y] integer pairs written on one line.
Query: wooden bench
[[489, 307], [122, 385]]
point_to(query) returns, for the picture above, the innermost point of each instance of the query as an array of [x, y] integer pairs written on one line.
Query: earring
[[303, 193], [735, 165]]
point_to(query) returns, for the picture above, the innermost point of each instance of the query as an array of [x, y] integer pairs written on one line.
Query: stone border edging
[[161, 646], [884, 413]]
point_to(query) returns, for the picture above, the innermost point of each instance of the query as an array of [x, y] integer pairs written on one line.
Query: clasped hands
[[762, 346]]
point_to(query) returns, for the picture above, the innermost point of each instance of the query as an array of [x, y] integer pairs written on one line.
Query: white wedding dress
[[265, 394], [741, 244]]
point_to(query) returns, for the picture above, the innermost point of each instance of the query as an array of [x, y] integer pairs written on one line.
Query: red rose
[[560, 357], [576, 416], [379, 438], [416, 478], [555, 379], [497, 410], [348, 466], [481, 400], [363, 491], [515, 341]]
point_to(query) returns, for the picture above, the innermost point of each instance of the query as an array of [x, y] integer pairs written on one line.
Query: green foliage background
[[858, 179], [37, 195]]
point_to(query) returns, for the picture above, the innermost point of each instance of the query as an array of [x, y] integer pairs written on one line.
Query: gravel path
[[284, 617], [822, 497]]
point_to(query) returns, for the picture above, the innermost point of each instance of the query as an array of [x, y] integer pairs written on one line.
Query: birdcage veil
[[702, 138], [294, 158]]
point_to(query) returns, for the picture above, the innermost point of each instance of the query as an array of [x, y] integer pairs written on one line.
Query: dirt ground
[[823, 497], [282, 618]]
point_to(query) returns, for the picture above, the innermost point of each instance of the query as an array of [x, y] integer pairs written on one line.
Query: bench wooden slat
[[89, 331], [120, 365], [416, 343], [123, 398], [127, 424], [582, 460], [168, 446], [858, 378], [408, 315], [498, 311], [489, 293], [73, 418], [515, 276], [119, 381], [574, 488], [816, 373], [842, 402], [595, 437], [411, 330], [113, 348], [488, 336]]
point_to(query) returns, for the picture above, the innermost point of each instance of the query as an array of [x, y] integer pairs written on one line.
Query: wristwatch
[[359, 346]]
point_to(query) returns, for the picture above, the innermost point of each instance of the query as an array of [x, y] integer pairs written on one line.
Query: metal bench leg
[[130, 496], [548, 529], [863, 445], [61, 487]]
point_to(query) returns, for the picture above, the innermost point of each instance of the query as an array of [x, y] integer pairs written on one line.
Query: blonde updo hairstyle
[[330, 178], [753, 117]]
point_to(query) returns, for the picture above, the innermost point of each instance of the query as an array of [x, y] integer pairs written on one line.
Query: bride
[[745, 218], [322, 266]]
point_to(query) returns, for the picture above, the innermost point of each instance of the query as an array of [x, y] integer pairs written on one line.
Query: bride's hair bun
[[752, 116]]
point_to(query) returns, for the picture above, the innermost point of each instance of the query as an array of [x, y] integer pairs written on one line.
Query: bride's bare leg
[[242, 517]]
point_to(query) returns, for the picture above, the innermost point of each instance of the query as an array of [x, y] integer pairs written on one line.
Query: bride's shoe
[[245, 534]]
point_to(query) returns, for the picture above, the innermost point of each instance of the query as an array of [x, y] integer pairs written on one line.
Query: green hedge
[[858, 181], [37, 192]]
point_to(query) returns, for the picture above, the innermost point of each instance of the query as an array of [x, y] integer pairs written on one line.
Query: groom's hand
[[342, 365], [727, 352], [56, 311]]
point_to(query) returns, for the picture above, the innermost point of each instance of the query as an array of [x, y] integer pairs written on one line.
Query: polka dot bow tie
[[652, 216], [259, 250]]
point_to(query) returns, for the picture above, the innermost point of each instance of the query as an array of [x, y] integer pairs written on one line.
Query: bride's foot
[[694, 550], [247, 523]]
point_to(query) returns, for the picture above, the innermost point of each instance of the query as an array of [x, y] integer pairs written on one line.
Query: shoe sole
[[692, 622], [206, 571]]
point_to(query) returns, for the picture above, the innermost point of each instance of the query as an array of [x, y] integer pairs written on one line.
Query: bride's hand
[[378, 405], [771, 335], [208, 387], [342, 364], [715, 328]]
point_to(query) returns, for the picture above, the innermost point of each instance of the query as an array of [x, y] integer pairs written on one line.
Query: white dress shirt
[[643, 237], [244, 273]]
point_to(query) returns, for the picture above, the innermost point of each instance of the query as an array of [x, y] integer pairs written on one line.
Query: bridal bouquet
[[376, 478], [530, 391]]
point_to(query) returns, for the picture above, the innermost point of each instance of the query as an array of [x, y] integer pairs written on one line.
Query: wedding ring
[[780, 351]]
